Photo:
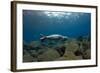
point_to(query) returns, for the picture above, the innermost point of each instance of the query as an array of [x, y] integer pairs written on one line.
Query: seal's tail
[[42, 35]]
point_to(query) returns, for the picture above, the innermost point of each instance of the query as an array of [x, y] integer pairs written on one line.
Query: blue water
[[71, 24]]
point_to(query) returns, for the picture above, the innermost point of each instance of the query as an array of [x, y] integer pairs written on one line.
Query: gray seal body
[[53, 37]]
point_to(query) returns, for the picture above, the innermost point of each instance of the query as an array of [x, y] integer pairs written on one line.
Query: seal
[[53, 37]]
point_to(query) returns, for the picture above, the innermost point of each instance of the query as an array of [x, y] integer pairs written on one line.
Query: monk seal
[[53, 37]]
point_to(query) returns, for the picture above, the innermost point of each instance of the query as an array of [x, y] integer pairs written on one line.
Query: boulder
[[49, 55]]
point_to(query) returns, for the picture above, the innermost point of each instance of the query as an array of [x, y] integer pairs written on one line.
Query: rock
[[33, 53], [78, 53], [41, 51], [28, 58], [72, 46], [35, 44], [61, 50], [70, 56], [49, 55], [86, 45], [52, 50], [87, 54]]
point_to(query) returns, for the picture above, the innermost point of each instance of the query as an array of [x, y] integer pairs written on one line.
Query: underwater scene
[[56, 36]]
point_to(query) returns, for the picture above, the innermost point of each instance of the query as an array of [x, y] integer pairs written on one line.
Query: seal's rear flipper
[[41, 35]]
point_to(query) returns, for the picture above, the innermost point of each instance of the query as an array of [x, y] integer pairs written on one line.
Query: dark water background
[[71, 24]]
